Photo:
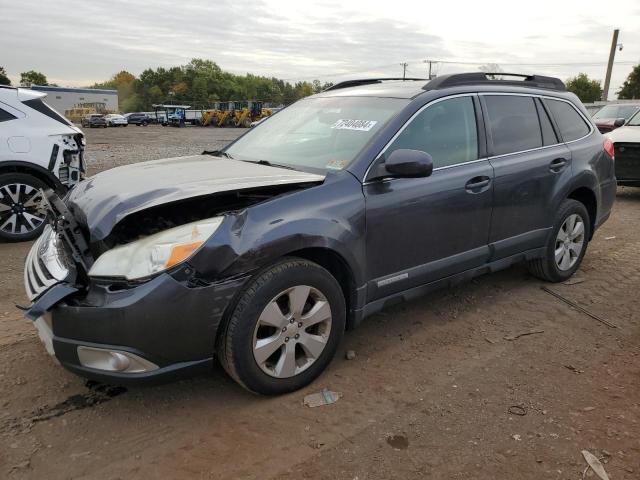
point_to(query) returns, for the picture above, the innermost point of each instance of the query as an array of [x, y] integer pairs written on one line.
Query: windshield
[[317, 134], [635, 121], [616, 111]]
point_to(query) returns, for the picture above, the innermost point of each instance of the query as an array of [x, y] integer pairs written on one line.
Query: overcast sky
[[80, 42]]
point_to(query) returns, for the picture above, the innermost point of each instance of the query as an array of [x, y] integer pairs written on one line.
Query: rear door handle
[[558, 164], [477, 184]]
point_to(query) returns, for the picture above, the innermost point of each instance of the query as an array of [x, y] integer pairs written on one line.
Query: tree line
[[200, 83]]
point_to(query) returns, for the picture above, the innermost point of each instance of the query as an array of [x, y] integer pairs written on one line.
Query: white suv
[[39, 149]]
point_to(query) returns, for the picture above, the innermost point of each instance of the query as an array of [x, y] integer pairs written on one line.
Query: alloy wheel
[[569, 242], [21, 208], [292, 331]]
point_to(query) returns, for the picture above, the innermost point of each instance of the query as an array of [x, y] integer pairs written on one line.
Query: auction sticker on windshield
[[360, 125]]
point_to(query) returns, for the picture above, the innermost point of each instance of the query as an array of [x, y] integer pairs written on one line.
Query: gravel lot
[[443, 387]]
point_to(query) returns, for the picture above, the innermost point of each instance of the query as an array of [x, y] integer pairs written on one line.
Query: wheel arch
[[37, 171], [337, 266], [588, 198]]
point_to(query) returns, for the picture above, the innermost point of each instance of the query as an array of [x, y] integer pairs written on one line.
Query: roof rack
[[367, 81], [457, 79]]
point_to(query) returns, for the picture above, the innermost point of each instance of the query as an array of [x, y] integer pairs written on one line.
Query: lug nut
[[286, 339], [297, 336], [284, 329], [300, 325], [291, 321]]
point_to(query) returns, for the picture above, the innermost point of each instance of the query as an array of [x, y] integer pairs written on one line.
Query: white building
[[64, 98]]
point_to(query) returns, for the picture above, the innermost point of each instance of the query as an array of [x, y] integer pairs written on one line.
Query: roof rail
[[457, 79], [366, 81]]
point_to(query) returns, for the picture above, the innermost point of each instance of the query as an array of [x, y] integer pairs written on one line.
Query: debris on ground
[[573, 369], [574, 281], [519, 410], [579, 308], [609, 238], [325, 397], [398, 442], [595, 465], [516, 437], [511, 338], [350, 355]]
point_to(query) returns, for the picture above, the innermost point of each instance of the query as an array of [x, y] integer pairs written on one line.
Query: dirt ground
[[439, 388]]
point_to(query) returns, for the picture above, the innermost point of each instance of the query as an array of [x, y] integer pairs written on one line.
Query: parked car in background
[[626, 144], [39, 149], [138, 119], [613, 116], [94, 120], [367, 194], [115, 120]]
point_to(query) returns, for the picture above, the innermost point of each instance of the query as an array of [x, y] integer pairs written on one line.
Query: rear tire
[[284, 329], [22, 214], [567, 244]]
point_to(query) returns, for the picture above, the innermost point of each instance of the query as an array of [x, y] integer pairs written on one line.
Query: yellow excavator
[[248, 112]]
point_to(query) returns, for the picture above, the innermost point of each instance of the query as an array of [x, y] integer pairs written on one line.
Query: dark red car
[[612, 116]]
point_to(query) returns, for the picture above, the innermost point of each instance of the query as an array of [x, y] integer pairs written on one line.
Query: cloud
[[78, 43]]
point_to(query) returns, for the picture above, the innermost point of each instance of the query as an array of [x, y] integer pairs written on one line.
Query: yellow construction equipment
[[234, 114]]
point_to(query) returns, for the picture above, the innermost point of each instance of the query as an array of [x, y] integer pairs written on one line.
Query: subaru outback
[[263, 253]]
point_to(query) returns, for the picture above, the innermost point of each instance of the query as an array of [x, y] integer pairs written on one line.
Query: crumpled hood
[[103, 200]]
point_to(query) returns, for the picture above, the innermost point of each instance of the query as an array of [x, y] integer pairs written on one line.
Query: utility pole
[[404, 69], [612, 54], [430, 62]]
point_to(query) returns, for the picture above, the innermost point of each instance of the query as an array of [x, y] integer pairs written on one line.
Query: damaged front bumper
[[124, 333]]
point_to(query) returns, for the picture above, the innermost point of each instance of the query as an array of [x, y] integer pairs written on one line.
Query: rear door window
[[446, 130], [513, 123], [571, 124]]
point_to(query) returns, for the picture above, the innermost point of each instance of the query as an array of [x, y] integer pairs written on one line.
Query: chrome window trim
[[532, 95]]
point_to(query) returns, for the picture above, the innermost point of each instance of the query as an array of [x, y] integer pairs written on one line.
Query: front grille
[[46, 264], [627, 161]]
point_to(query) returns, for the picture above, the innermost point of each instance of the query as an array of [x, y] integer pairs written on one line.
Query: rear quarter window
[[570, 123], [513, 123]]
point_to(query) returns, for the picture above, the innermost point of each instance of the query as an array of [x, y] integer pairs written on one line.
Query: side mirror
[[408, 163], [619, 122]]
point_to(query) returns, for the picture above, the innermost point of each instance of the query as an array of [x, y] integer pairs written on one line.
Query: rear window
[[513, 122], [38, 105], [571, 124], [5, 116]]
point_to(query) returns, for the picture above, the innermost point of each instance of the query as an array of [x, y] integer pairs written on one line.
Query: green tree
[[33, 78], [631, 87], [4, 80], [587, 90]]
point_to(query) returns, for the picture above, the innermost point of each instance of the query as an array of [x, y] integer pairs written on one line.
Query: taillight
[[608, 148]]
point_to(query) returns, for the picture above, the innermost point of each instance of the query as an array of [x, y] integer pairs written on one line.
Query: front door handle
[[477, 184], [558, 164]]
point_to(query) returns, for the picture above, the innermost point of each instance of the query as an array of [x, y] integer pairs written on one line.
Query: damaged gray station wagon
[[263, 253]]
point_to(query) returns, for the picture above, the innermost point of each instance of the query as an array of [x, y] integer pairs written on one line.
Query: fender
[[40, 172], [261, 234]]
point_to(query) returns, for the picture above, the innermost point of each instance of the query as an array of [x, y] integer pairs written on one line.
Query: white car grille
[[45, 265]]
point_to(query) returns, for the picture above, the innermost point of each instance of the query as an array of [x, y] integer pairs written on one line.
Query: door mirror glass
[[619, 122], [409, 163]]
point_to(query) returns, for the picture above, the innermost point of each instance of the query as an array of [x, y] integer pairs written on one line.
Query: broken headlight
[[156, 252]]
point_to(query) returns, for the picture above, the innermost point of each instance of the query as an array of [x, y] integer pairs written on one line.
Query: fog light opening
[[113, 360]]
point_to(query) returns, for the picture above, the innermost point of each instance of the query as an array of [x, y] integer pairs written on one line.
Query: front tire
[[284, 329], [22, 213], [566, 245]]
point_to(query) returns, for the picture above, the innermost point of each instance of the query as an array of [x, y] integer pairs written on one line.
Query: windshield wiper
[[217, 153], [269, 164]]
